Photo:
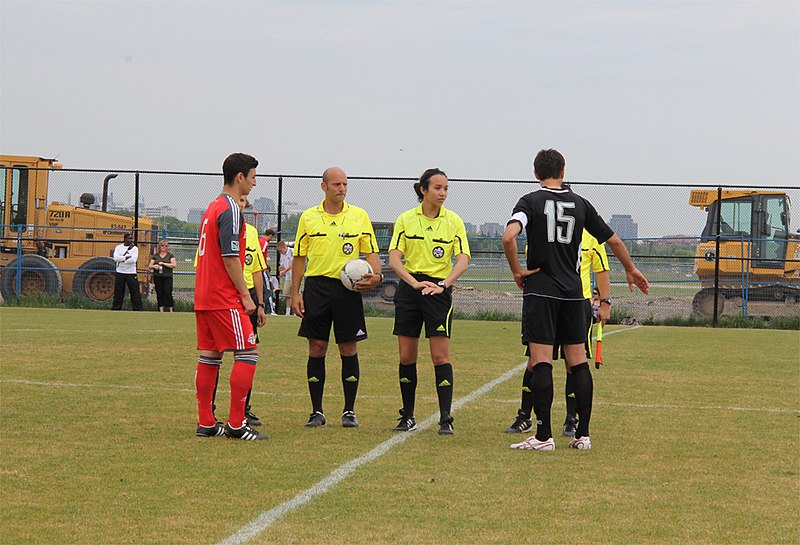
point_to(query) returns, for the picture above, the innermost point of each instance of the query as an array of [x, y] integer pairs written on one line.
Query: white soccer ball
[[353, 271]]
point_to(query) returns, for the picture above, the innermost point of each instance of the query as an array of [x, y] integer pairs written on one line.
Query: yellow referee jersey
[[593, 258], [328, 241], [253, 258], [428, 244]]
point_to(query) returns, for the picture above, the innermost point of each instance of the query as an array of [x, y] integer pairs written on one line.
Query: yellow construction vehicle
[[57, 247], [759, 257]]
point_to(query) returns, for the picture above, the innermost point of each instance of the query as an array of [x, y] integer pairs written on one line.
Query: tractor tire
[[388, 289], [39, 275], [94, 279], [703, 303]]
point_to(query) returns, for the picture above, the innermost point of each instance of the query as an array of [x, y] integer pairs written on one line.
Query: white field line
[[268, 518], [419, 398]]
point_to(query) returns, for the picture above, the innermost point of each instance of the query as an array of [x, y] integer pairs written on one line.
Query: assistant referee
[[428, 237]]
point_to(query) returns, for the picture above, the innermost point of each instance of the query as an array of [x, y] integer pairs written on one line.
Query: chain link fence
[[695, 261]]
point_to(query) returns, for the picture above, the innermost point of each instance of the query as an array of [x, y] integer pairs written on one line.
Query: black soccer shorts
[[412, 309], [327, 302], [552, 321]]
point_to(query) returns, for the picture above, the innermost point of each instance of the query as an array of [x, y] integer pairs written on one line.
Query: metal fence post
[[280, 217], [136, 209], [715, 317], [18, 283]]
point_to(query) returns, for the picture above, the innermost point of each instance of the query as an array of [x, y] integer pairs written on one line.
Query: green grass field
[[695, 440]]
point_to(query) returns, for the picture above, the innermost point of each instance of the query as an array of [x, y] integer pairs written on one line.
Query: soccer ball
[[353, 271]]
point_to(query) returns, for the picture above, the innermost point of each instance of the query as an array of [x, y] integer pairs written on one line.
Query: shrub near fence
[[175, 201]]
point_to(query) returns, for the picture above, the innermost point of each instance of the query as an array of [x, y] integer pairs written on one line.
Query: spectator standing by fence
[[125, 257], [285, 273], [163, 263]]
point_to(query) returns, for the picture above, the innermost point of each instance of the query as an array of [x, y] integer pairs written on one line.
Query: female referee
[[428, 236]]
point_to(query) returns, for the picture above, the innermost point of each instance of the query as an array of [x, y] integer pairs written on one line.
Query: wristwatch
[[441, 283], [381, 275], [606, 300]]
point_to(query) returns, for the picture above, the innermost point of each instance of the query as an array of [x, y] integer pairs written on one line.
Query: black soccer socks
[[350, 378], [408, 387], [527, 393], [315, 371], [584, 390], [542, 383], [444, 387]]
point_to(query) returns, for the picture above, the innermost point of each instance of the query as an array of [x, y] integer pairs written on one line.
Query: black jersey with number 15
[[554, 220]]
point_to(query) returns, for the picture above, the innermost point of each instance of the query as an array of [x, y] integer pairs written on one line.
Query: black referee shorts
[[412, 309], [327, 302], [552, 321]]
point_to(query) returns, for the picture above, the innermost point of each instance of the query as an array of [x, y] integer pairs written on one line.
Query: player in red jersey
[[222, 303]]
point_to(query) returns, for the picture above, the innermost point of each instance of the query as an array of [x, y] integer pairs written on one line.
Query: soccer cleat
[[210, 431], [569, 426], [316, 420], [532, 443], [252, 420], [446, 425], [245, 433], [349, 420], [406, 423], [581, 443], [523, 424]]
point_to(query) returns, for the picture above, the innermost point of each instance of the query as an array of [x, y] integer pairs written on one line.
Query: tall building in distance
[[491, 229], [265, 215], [624, 226], [470, 227], [195, 215]]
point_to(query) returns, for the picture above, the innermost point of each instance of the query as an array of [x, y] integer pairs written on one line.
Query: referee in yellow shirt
[[428, 237], [328, 236]]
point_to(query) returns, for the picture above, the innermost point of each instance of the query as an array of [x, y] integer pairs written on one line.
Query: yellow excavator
[[59, 247], [759, 257]]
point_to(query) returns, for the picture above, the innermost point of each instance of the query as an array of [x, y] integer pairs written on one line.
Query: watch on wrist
[[606, 300], [441, 283]]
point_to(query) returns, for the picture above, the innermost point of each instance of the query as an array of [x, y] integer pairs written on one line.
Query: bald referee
[[328, 236]]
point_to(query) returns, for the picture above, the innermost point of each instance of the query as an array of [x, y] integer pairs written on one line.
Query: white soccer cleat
[[584, 443], [532, 443]]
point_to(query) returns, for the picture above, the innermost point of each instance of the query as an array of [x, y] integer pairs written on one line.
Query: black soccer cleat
[[210, 431], [446, 425], [245, 433], [316, 420], [569, 426], [405, 423], [349, 420], [252, 420], [522, 424]]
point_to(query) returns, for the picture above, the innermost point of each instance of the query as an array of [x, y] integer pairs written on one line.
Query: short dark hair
[[425, 180], [236, 163], [548, 164], [268, 232]]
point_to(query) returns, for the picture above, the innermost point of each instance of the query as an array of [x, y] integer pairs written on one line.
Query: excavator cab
[[757, 253]]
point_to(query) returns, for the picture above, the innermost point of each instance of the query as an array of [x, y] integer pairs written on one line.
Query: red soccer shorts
[[224, 330]]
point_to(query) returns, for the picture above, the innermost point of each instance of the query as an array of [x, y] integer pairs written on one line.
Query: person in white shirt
[[285, 272], [126, 256]]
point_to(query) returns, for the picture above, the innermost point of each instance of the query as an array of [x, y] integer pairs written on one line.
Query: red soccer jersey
[[222, 234]]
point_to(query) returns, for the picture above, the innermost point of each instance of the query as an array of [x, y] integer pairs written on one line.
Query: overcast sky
[[645, 91]]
